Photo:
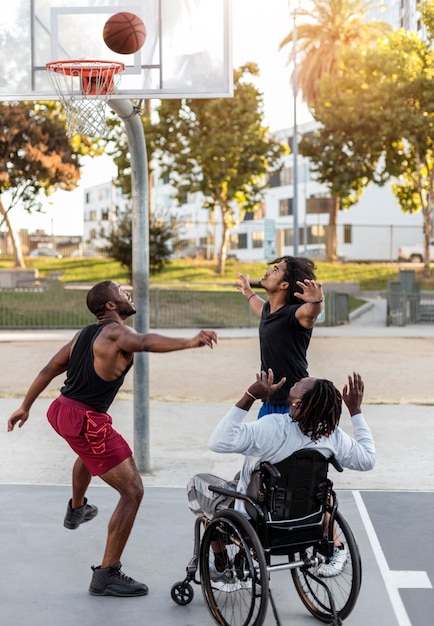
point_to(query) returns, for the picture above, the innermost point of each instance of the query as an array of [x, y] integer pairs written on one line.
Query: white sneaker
[[336, 563]]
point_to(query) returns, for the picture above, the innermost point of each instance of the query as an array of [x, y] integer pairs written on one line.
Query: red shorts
[[89, 433]]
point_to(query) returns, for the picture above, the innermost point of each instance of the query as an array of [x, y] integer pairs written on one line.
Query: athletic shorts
[[267, 408], [89, 433]]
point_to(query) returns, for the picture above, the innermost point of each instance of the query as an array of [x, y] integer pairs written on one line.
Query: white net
[[84, 88]]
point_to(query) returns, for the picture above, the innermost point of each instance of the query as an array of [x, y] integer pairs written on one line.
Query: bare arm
[[312, 295], [57, 365], [128, 340], [255, 301]]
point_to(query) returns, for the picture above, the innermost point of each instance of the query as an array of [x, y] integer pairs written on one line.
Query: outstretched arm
[[312, 295], [255, 301], [358, 452], [232, 434], [129, 341], [57, 365]]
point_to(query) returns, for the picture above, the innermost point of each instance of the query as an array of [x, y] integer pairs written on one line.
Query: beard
[[127, 309]]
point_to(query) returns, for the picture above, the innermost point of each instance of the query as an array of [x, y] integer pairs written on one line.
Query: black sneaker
[[110, 581], [75, 517]]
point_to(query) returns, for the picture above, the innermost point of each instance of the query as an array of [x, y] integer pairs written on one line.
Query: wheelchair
[[294, 525]]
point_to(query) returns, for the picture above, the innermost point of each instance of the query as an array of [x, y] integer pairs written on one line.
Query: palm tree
[[331, 28]]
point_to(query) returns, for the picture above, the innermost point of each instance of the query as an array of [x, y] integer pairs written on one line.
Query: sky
[[258, 27]]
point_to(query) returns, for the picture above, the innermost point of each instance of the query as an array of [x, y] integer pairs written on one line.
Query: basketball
[[124, 33]]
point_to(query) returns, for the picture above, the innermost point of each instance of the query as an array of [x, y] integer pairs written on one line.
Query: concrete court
[[48, 567]]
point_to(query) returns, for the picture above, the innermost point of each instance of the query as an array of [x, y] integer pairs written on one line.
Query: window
[[258, 239], [105, 215], [275, 180], [348, 233], [286, 206], [288, 236], [238, 241], [287, 176]]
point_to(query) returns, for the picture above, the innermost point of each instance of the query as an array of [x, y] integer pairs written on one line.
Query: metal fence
[[406, 303], [52, 305]]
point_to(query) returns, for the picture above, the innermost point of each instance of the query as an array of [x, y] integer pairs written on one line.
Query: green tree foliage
[[324, 35], [377, 123], [36, 158], [220, 148], [117, 147], [121, 244]]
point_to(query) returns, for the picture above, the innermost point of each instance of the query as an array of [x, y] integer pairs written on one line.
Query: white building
[[103, 205], [372, 230], [397, 13]]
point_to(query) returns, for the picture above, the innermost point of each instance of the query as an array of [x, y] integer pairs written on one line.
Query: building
[[372, 230], [397, 13], [103, 205]]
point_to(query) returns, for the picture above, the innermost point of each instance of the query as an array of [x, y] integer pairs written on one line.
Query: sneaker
[[336, 563], [110, 581], [220, 576], [75, 517]]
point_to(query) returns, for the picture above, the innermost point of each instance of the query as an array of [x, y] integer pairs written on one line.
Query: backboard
[[187, 52]]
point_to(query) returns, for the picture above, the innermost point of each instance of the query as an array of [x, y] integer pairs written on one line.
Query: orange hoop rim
[[87, 66]]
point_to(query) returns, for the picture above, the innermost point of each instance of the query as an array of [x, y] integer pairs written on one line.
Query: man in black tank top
[[96, 361]]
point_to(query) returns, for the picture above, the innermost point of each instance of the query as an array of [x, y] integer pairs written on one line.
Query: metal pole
[[295, 141], [140, 229]]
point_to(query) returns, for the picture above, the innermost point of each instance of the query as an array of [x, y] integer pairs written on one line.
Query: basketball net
[[83, 88]]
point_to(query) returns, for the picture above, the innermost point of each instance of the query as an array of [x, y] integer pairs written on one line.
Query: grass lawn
[[202, 274]]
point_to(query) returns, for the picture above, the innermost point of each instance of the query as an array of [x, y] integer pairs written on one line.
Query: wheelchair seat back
[[293, 494]]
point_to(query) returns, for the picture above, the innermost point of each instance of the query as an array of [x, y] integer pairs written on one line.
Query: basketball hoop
[[84, 88]]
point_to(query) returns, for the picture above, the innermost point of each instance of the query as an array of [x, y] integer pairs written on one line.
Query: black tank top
[[82, 382]]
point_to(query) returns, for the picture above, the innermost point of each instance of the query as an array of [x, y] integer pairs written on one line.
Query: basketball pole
[[130, 115]]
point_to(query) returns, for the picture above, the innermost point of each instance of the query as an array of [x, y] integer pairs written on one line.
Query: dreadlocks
[[297, 268], [319, 410]]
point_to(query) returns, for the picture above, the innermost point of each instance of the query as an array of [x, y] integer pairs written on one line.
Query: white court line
[[393, 580]]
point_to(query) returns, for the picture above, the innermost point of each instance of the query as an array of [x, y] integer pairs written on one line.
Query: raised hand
[[311, 291], [352, 393]]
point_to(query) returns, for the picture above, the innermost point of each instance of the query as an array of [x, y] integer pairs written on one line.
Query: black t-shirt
[[283, 343], [82, 382]]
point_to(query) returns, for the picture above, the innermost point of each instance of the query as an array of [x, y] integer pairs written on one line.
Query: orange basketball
[[124, 33]]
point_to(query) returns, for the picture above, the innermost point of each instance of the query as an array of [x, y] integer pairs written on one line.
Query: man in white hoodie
[[313, 423]]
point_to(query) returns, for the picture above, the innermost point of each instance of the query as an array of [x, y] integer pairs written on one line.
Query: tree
[[377, 123], [333, 28], [121, 243], [35, 157], [220, 148]]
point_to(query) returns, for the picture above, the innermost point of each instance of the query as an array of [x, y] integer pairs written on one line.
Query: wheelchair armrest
[[272, 470], [333, 461], [231, 493]]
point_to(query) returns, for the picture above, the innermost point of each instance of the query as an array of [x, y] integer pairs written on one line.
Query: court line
[[393, 579]]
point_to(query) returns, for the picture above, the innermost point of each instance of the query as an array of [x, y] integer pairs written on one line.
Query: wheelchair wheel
[[344, 587], [237, 596], [182, 593]]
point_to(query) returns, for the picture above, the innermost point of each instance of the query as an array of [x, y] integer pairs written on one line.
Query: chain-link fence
[[52, 305]]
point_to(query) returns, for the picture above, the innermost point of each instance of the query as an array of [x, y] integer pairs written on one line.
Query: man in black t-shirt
[[294, 303]]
